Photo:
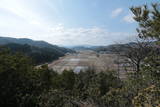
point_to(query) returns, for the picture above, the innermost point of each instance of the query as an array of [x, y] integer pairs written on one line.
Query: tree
[[149, 21], [21, 84], [136, 53], [149, 28], [15, 83], [148, 97]]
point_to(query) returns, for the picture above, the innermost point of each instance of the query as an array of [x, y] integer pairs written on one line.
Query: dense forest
[[23, 85], [39, 55]]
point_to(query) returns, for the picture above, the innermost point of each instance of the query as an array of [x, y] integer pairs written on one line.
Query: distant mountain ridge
[[40, 44], [114, 48], [39, 51], [7, 40], [106, 49], [83, 47]]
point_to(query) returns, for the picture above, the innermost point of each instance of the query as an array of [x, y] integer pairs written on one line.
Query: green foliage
[[56, 98], [20, 82], [23, 85], [26, 86], [67, 80], [149, 20], [14, 73], [148, 97], [146, 83], [39, 55], [79, 89], [117, 98]]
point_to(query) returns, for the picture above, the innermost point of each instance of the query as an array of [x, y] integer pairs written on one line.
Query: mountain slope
[[40, 44], [121, 47], [6, 40], [39, 51]]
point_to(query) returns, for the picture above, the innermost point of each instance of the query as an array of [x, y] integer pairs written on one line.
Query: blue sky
[[69, 22]]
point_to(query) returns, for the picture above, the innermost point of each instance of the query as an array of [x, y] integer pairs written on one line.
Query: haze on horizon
[[69, 22]]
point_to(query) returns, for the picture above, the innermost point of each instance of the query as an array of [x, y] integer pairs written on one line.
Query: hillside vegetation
[[7, 40], [23, 85], [39, 51]]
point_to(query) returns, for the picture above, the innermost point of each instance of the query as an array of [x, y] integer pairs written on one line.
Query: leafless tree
[[136, 53]]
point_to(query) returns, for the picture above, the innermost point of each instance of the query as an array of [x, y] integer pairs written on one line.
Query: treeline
[[38, 54], [23, 85]]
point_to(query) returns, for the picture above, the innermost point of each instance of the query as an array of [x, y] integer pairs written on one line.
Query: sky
[[70, 22]]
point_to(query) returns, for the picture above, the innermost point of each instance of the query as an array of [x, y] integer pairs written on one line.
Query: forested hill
[[39, 51], [106, 49], [114, 48], [7, 40]]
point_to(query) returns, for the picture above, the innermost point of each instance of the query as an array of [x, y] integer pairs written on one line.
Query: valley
[[87, 59]]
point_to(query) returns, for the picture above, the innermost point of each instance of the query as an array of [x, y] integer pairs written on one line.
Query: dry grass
[[100, 62]]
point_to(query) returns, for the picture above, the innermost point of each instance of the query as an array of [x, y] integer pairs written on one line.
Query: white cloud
[[85, 36], [23, 22], [28, 10], [128, 18], [116, 12], [61, 35], [35, 22]]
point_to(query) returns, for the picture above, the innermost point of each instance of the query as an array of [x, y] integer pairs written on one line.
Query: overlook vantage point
[[79, 53]]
